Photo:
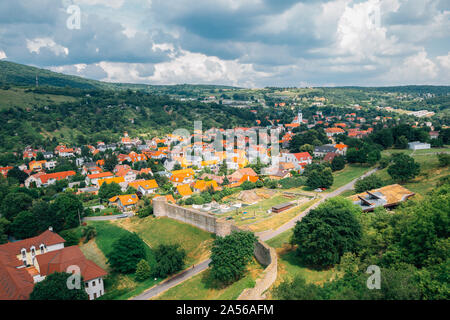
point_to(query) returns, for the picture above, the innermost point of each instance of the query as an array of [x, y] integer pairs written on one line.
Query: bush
[[368, 183], [127, 251], [145, 212], [338, 163], [248, 185], [288, 183], [143, 271], [169, 258]]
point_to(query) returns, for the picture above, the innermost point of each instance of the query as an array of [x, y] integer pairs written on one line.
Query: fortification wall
[[263, 253]]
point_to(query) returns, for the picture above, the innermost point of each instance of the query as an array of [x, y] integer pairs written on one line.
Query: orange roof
[[248, 178], [203, 185], [126, 199], [334, 130], [56, 176], [145, 184], [341, 146], [110, 180], [184, 190], [60, 260], [100, 175]]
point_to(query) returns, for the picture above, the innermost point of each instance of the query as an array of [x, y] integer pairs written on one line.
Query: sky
[[246, 43]]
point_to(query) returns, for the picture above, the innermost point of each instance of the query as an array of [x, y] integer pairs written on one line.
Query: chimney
[[50, 228]]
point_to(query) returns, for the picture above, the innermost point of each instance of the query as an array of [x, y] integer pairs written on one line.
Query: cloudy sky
[[249, 43]]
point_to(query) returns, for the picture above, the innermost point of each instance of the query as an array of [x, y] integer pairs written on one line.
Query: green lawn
[[349, 173], [279, 240], [277, 220], [430, 173], [198, 288], [118, 286], [288, 262], [162, 230]]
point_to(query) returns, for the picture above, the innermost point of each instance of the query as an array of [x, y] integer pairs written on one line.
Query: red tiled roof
[[59, 260], [57, 176], [47, 237]]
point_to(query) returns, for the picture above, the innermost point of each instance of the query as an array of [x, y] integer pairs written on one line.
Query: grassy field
[[17, 97], [156, 231], [349, 173], [257, 217], [198, 288], [430, 173], [117, 286], [279, 219], [288, 262]]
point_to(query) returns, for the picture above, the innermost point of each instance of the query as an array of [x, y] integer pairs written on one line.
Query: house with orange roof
[[184, 190], [124, 202], [202, 185], [299, 159], [37, 165], [136, 157], [43, 179], [100, 162], [333, 131], [4, 170], [145, 187], [341, 148], [119, 180], [238, 174], [93, 178]]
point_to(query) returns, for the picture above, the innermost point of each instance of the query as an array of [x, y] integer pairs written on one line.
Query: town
[[258, 179]]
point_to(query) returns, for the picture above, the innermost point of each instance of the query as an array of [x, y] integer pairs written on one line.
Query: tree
[[444, 159], [143, 271], [4, 225], [25, 225], [68, 210], [169, 258], [373, 156], [110, 162], [54, 287], [177, 166], [109, 190], [338, 163], [230, 256], [297, 289], [126, 252], [17, 174], [319, 177], [14, 203], [88, 233], [402, 142], [368, 183], [327, 232], [403, 168], [307, 148]]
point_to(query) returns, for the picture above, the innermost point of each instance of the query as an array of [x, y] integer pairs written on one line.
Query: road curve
[[188, 273]]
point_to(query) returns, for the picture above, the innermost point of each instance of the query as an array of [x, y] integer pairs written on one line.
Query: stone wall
[[263, 253], [267, 256]]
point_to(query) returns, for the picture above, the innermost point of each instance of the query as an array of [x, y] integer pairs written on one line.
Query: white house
[[417, 145]]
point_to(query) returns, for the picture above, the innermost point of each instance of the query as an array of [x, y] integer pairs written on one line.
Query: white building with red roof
[[26, 262]]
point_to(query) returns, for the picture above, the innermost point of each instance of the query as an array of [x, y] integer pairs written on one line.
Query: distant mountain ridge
[[17, 74]]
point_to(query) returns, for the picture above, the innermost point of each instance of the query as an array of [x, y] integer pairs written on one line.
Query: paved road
[[159, 288], [106, 218], [171, 282]]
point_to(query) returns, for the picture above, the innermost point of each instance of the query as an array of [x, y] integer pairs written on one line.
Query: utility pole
[[37, 80]]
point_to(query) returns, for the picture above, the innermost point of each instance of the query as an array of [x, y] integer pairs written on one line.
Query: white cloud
[[198, 68], [415, 69], [444, 61], [115, 4], [36, 44]]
